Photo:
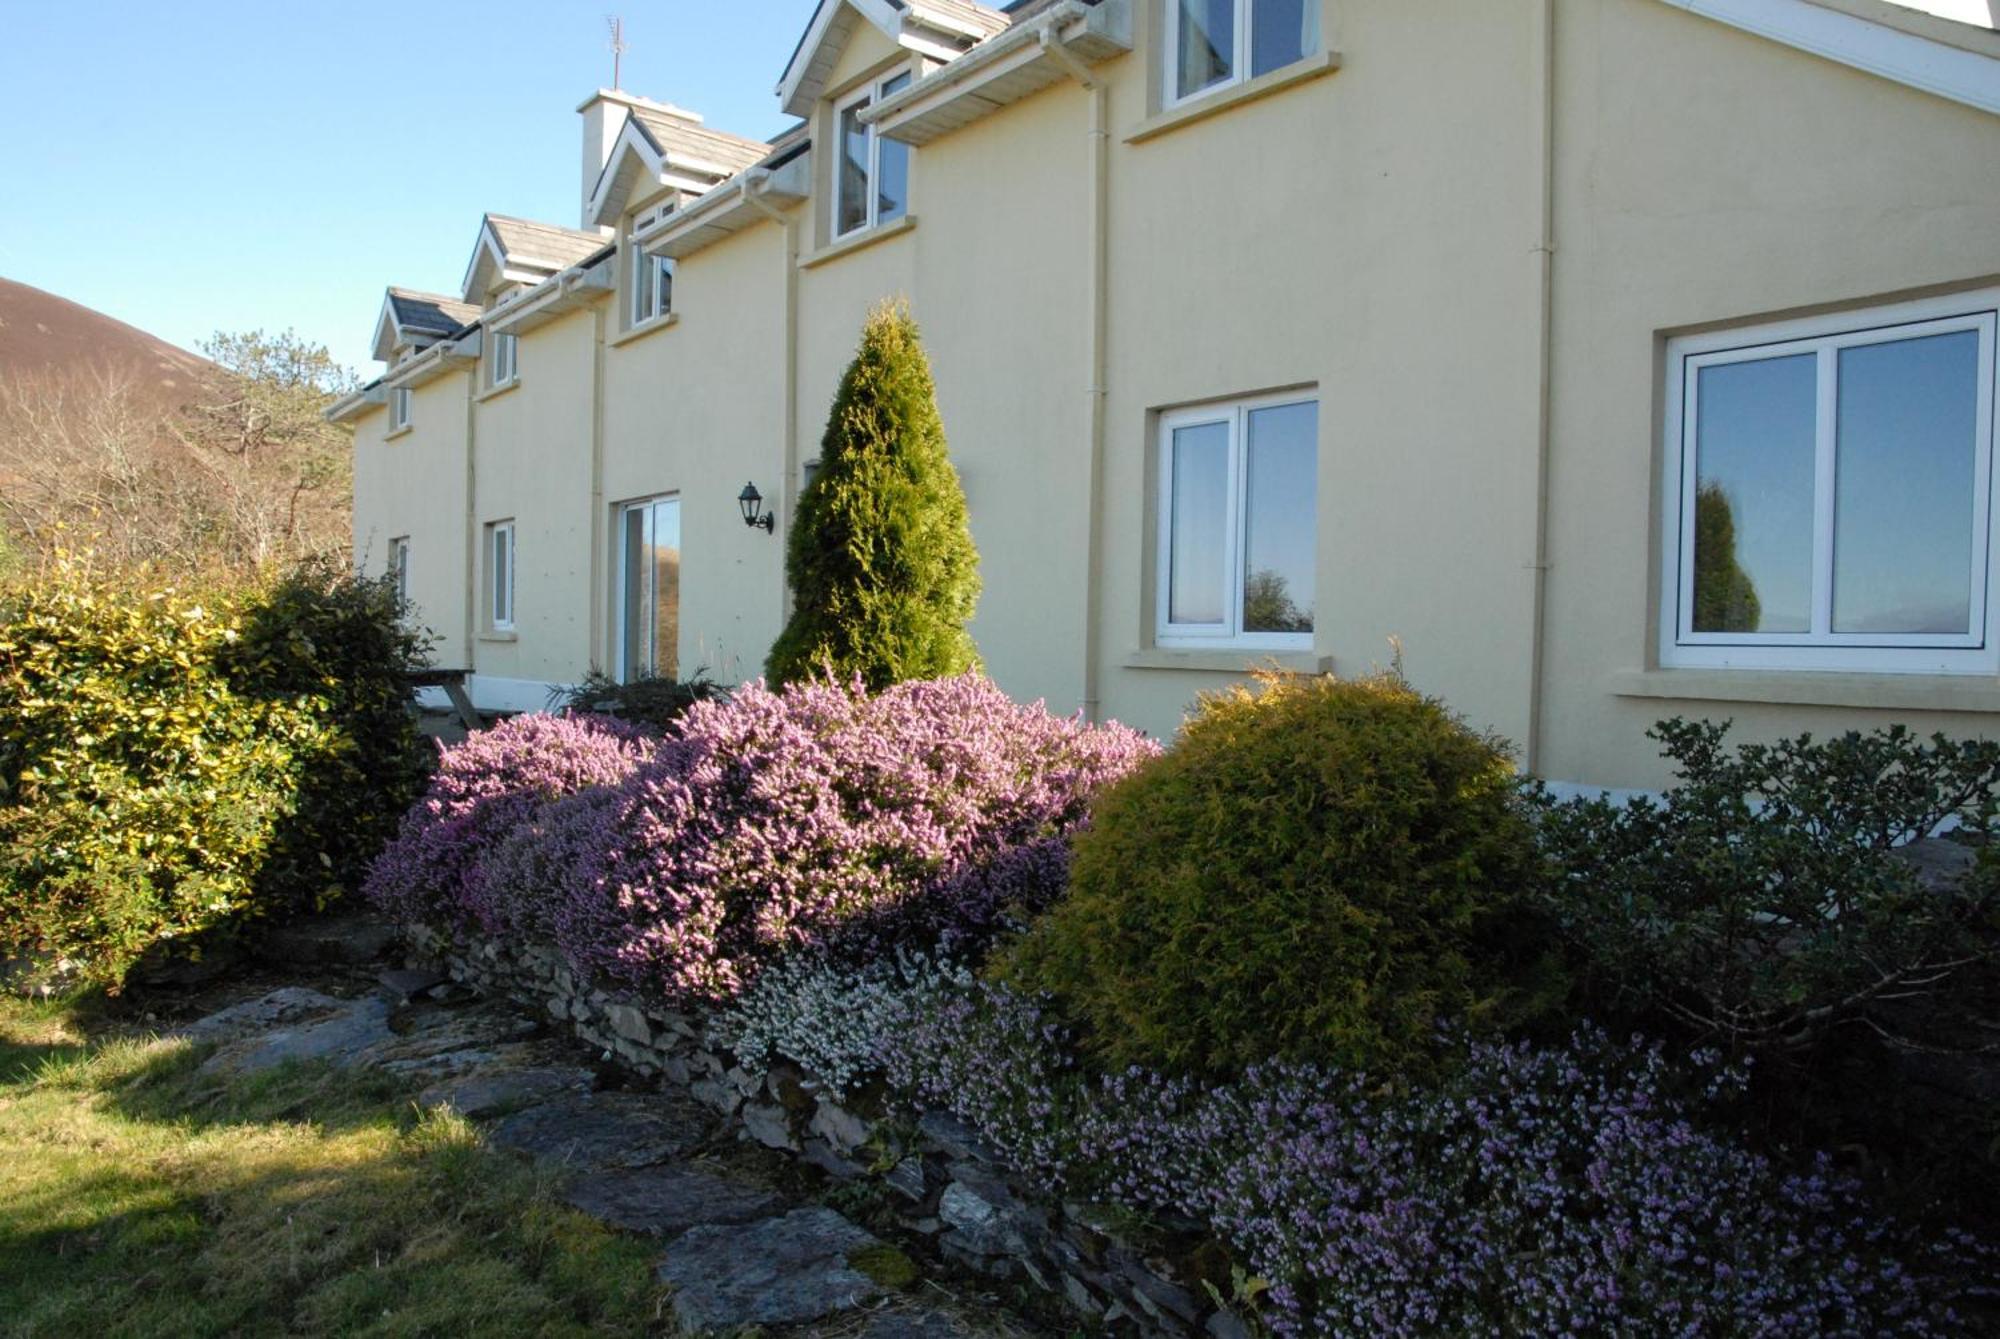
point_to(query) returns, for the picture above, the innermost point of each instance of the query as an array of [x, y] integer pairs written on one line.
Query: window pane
[[1281, 32], [633, 635], [663, 285], [1207, 34], [502, 561], [851, 209], [892, 167], [1905, 438], [1199, 523], [1753, 522], [666, 589], [1279, 544]]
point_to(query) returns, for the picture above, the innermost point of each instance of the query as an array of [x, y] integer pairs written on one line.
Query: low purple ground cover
[[1558, 1190]]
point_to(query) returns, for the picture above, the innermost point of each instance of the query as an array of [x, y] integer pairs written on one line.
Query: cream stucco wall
[[1374, 233], [414, 484], [1708, 177]]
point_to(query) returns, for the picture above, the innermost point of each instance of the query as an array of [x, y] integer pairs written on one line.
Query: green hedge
[[1317, 870], [173, 762]]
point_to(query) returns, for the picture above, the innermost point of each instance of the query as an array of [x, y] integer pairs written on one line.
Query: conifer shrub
[[881, 561], [1318, 870]]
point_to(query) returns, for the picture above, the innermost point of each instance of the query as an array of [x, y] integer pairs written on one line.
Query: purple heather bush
[[1572, 1189], [485, 788], [821, 817]]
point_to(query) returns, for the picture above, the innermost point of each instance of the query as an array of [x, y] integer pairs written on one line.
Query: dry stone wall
[[945, 1184]]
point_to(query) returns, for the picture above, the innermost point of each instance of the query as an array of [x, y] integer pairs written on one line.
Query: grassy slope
[[137, 1198]]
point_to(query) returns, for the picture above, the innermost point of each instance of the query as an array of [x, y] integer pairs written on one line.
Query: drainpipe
[[1545, 250], [472, 516], [596, 625], [753, 188], [1096, 290]]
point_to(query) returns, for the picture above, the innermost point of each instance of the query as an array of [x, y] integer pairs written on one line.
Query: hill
[[44, 335]]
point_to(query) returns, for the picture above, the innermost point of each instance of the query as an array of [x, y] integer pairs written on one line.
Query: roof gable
[[667, 149], [1882, 39], [523, 251], [414, 319], [940, 29]]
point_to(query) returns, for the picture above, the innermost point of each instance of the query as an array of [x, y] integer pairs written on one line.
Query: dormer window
[[1212, 44], [399, 408], [873, 185], [652, 286], [501, 364]]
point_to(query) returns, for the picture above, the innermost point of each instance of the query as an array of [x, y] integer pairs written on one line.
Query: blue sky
[[207, 165]]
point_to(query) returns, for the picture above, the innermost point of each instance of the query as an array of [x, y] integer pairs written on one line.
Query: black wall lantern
[[752, 503]]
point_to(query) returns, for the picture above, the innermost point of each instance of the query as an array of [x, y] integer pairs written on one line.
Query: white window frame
[[619, 632], [867, 95], [399, 408], [662, 271], [1170, 26], [399, 566], [1229, 633], [500, 609], [504, 363], [1680, 647]]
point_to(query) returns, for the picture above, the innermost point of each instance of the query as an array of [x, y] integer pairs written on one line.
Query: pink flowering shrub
[[823, 817], [496, 781], [1576, 1189]]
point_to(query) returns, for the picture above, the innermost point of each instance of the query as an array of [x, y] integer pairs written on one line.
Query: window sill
[[858, 241], [639, 332], [499, 636], [493, 392], [403, 431], [1236, 660], [1227, 99], [1890, 692]]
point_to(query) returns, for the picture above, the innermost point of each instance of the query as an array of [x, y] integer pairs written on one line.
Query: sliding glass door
[[649, 589]]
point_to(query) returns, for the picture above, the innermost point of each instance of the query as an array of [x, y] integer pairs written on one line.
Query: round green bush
[[1319, 869]]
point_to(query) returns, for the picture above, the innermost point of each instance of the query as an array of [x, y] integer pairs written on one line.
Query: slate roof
[[543, 245], [432, 313], [989, 21], [679, 136]]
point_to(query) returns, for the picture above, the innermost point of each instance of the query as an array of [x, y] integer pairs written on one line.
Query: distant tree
[[1268, 606], [1725, 598], [249, 472], [881, 562]]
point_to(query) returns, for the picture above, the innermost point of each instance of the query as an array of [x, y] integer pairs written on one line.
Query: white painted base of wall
[[489, 693]]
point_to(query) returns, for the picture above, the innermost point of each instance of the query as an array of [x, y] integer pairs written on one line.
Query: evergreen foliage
[[882, 567], [1323, 870]]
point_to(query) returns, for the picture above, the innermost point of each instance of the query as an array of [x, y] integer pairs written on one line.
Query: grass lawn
[[137, 1198]]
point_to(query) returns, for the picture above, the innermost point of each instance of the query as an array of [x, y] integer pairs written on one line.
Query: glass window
[[399, 567], [1832, 481], [399, 407], [500, 566], [1239, 541], [1207, 41], [505, 353], [872, 185], [649, 589]]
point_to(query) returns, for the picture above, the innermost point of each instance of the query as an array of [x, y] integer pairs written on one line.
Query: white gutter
[[1042, 30], [348, 406], [1545, 256]]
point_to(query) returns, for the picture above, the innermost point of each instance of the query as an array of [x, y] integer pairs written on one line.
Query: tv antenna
[[617, 27]]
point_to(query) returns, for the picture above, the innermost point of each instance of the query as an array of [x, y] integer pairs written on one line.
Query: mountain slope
[[44, 335]]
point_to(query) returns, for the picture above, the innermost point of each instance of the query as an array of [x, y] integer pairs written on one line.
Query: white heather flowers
[[831, 1019]]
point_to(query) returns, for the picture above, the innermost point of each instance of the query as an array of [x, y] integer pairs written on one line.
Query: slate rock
[[277, 1009], [340, 1038], [346, 940], [403, 984], [596, 1131], [483, 1094], [780, 1271], [954, 1138], [769, 1124], [914, 1323], [663, 1201]]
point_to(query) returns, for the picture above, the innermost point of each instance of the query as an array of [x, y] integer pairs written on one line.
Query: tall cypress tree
[[883, 571]]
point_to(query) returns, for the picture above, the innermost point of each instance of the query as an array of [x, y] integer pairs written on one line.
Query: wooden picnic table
[[453, 683]]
